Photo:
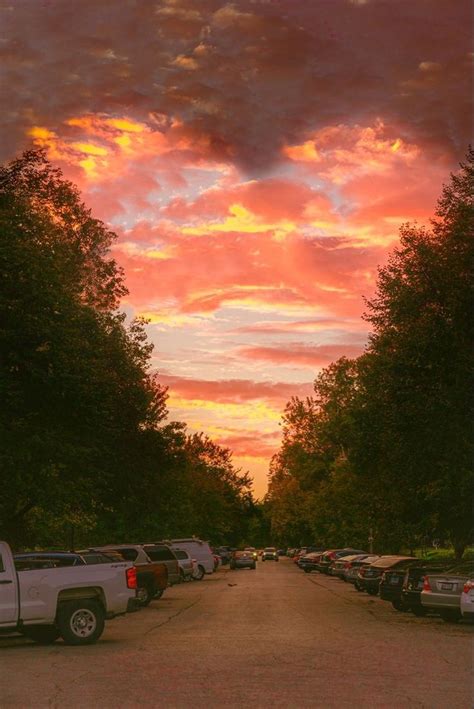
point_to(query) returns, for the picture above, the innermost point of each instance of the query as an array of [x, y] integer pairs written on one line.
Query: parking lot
[[270, 637]]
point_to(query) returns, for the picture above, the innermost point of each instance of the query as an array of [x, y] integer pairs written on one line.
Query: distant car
[[338, 567], [309, 562], [225, 553], [331, 555], [442, 591], [254, 552], [467, 599], [243, 560], [351, 568], [270, 554], [369, 577]]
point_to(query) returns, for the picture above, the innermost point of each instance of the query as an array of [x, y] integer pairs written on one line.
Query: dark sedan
[[369, 577], [391, 584]]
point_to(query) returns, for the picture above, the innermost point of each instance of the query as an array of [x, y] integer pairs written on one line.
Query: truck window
[[160, 553]]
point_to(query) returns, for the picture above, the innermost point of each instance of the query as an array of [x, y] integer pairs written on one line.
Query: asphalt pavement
[[274, 637]]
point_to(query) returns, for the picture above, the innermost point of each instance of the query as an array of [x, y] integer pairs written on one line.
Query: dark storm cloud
[[249, 76]]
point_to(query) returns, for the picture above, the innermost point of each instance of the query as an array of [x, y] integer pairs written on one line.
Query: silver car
[[442, 590], [185, 564]]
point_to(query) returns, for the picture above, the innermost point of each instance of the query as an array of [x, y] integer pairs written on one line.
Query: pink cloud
[[233, 390], [301, 355]]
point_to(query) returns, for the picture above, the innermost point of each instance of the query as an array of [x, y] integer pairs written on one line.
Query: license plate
[[446, 586]]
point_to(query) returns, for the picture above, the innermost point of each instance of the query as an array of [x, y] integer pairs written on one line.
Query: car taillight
[[468, 586], [426, 584], [131, 575]]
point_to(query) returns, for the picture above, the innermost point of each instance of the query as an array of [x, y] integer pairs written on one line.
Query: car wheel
[[81, 622], [43, 635], [450, 616], [307, 571], [182, 577], [158, 593], [199, 573], [372, 591], [253, 567], [144, 596], [419, 611]]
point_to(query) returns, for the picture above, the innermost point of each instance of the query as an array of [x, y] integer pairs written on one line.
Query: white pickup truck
[[70, 602]]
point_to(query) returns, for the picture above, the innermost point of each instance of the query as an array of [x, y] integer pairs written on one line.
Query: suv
[[270, 554], [163, 553]]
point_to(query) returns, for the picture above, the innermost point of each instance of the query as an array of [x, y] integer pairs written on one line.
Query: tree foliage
[[84, 439], [386, 442]]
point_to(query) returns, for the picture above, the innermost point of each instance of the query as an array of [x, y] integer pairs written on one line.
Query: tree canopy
[[386, 441]]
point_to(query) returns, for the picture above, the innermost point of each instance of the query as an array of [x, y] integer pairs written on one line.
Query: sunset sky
[[256, 160]]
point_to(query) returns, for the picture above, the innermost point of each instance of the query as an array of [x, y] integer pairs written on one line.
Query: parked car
[[467, 599], [369, 576], [71, 602], [185, 564], [243, 560], [332, 555], [197, 549], [413, 584], [224, 553], [270, 554], [164, 554], [442, 591], [152, 577], [351, 568], [391, 584], [309, 562], [339, 566]]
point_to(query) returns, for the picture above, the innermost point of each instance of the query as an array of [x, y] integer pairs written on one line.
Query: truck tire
[[81, 622], [42, 634]]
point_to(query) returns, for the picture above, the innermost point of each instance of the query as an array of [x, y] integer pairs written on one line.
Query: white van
[[197, 549]]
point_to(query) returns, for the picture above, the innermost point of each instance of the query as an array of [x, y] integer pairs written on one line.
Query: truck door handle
[[5, 582]]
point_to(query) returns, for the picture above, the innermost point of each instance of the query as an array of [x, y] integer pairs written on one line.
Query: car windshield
[[272, 549]]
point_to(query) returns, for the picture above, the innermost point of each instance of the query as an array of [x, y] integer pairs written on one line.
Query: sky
[[256, 160]]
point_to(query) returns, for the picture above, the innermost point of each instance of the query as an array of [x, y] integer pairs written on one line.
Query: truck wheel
[[81, 622], [144, 596], [43, 635]]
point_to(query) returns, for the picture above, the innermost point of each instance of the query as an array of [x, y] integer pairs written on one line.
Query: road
[[274, 637]]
